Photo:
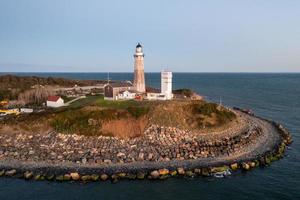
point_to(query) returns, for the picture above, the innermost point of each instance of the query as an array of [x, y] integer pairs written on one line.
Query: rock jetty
[[161, 152]]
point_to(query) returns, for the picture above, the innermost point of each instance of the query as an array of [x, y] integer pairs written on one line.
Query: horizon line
[[266, 72]]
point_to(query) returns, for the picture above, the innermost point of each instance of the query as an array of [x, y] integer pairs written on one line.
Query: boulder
[[86, 178], [28, 175], [141, 156], [59, 177], [180, 171], [130, 176], [37, 177], [163, 172], [50, 177], [252, 164], [219, 169], [140, 175], [234, 166], [205, 172], [11, 172], [256, 163], [2, 172], [75, 176], [173, 173], [154, 174], [245, 166], [121, 175], [189, 173], [94, 177], [267, 160], [165, 176], [67, 177], [104, 177], [197, 171]]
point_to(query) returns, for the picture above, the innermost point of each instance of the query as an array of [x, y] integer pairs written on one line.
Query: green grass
[[89, 100], [121, 104], [208, 109], [78, 121], [66, 99], [73, 118]]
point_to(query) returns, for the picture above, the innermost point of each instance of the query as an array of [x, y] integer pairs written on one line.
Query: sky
[[181, 36]]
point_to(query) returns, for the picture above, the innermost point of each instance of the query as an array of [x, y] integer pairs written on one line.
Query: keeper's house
[[55, 101], [111, 90]]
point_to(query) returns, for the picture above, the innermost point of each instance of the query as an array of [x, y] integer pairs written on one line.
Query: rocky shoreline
[[160, 153]]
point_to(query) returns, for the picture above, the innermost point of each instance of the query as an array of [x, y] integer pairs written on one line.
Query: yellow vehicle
[[10, 111], [3, 103]]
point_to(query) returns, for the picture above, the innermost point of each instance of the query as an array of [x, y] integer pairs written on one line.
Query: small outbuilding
[[111, 90], [127, 94], [55, 101]]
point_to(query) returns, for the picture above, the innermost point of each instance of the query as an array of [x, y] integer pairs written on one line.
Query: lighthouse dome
[[139, 49]]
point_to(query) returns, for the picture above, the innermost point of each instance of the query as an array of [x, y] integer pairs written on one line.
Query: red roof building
[[55, 101], [53, 98]]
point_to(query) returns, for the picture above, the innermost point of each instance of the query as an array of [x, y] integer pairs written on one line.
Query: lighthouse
[[139, 76]]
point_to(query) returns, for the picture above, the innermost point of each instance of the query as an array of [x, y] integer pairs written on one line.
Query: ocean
[[273, 96]]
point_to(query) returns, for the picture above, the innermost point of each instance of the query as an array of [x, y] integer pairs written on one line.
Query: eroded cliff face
[[126, 121], [125, 128]]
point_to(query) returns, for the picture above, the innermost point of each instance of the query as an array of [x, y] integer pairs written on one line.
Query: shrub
[[137, 111]]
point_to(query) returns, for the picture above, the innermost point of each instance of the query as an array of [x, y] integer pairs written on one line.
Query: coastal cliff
[[209, 146]]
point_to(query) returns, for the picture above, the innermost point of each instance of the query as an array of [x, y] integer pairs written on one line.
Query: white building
[[26, 110], [155, 96], [166, 84], [127, 94], [55, 101]]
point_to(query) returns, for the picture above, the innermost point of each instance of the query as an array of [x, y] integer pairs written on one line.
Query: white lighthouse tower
[[166, 84]]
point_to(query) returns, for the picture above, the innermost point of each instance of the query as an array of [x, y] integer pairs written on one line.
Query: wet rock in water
[[252, 164], [50, 177], [219, 169], [67, 177], [104, 177], [163, 171], [37, 177], [94, 177], [11, 172], [75, 176], [173, 173], [2, 172], [205, 172], [197, 171], [114, 178], [154, 174], [189, 173], [180, 171], [165, 176], [267, 160], [121, 175], [245, 166], [262, 161], [86, 178], [130, 176], [234, 166], [140, 175], [59, 177], [28, 175], [256, 163]]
